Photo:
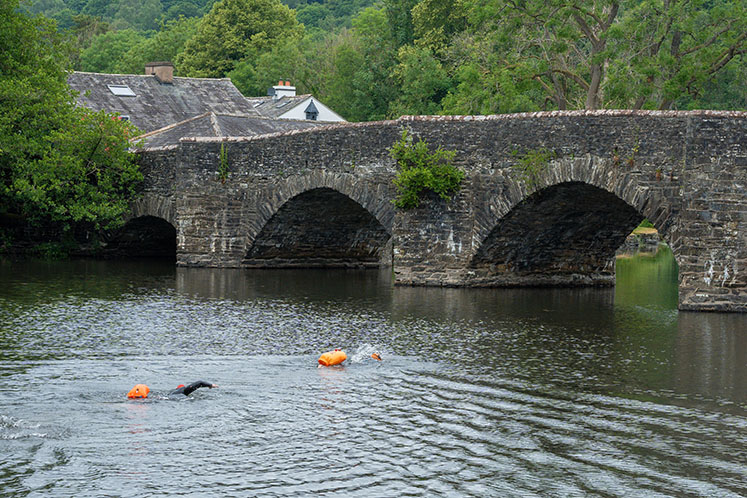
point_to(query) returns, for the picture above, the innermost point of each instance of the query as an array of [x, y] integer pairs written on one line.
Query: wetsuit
[[187, 390]]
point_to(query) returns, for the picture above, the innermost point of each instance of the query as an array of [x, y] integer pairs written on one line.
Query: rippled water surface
[[597, 392]]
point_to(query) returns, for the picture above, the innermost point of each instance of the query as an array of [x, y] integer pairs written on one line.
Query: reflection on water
[[482, 392], [647, 278]]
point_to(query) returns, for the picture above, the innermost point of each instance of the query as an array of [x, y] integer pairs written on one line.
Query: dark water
[[596, 392]]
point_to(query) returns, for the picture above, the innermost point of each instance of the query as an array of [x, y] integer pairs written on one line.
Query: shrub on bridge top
[[421, 170]]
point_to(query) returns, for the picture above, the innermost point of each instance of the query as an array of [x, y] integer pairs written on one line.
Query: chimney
[[163, 71], [282, 89]]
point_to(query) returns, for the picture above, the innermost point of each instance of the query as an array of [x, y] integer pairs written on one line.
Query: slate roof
[[156, 105], [268, 107], [221, 125]]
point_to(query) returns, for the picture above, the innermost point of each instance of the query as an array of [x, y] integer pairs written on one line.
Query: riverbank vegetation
[[60, 166]]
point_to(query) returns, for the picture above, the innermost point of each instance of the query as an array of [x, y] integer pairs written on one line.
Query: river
[[481, 392]]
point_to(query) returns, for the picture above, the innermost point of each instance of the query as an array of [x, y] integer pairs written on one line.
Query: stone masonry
[[323, 197]]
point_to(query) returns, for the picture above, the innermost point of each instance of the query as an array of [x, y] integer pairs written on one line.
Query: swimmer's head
[[376, 356], [180, 386], [139, 391]]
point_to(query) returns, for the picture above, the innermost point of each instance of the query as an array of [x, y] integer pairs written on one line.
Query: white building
[[282, 102]]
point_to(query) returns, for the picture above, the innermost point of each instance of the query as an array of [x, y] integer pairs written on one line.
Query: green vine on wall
[[421, 170], [532, 164], [223, 167]]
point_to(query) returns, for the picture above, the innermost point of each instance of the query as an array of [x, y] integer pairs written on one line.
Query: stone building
[[167, 108]]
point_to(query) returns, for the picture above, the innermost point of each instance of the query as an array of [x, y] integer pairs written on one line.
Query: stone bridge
[[323, 198]]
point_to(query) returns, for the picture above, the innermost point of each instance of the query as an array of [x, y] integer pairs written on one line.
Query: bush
[[421, 170]]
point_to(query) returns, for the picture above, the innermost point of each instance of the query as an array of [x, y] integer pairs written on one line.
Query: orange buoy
[[332, 358], [376, 356], [139, 391]]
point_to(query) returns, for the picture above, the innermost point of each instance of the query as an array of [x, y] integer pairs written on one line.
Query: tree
[[613, 53], [435, 22], [106, 53], [399, 17], [285, 61], [364, 68], [183, 9], [106, 9], [83, 30], [165, 45], [422, 80], [58, 163], [235, 30], [668, 49], [565, 44], [140, 15], [725, 90]]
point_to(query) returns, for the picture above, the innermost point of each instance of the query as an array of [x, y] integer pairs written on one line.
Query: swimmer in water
[[187, 390], [141, 390]]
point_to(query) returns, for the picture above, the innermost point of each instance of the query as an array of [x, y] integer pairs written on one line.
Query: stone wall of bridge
[[684, 171]]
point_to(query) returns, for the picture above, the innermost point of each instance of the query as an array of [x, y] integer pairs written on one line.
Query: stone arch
[[376, 199], [352, 225], [144, 236], [151, 204], [565, 231]]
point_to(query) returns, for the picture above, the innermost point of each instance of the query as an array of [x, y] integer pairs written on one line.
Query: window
[[121, 90], [312, 113]]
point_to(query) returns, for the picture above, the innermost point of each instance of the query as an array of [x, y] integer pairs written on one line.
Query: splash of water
[[364, 352]]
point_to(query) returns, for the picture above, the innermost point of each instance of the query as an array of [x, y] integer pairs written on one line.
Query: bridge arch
[[143, 236], [566, 229], [152, 204], [320, 220]]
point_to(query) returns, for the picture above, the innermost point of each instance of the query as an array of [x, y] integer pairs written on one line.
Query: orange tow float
[[332, 358], [139, 391]]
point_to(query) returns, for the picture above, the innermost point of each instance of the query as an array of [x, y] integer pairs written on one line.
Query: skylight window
[[121, 90], [282, 104]]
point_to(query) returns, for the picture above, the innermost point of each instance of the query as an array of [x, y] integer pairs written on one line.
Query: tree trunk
[[592, 95]]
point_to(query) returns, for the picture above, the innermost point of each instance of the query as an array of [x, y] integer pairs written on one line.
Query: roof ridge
[[149, 76], [216, 126], [171, 126]]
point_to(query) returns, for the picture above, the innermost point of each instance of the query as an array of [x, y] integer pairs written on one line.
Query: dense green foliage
[[374, 60], [236, 30], [58, 163], [144, 15], [421, 171]]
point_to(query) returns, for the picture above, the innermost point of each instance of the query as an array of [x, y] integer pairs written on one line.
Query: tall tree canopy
[[235, 30], [372, 59]]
